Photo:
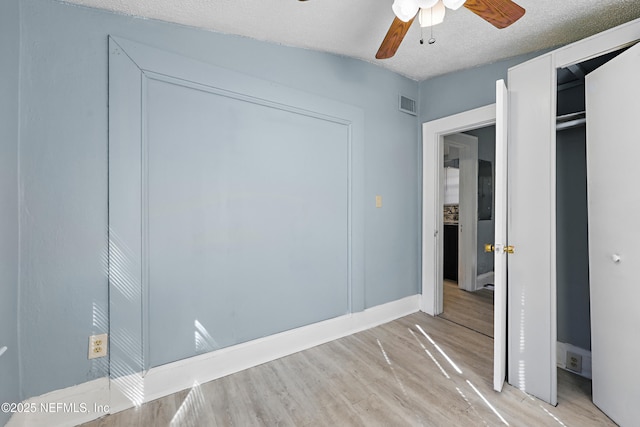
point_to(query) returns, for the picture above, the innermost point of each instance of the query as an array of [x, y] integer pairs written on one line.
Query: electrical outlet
[[378, 201], [574, 362], [98, 346]]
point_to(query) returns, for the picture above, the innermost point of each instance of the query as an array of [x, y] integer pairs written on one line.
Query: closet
[[552, 267], [572, 248]]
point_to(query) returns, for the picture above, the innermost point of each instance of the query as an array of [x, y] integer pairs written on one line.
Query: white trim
[[432, 135], [176, 376], [598, 44], [561, 358], [173, 377], [484, 279]]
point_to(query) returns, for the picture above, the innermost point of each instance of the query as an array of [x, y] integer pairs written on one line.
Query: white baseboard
[[484, 279], [561, 358], [127, 392]]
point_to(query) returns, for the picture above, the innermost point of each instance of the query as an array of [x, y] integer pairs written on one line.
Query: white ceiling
[[356, 28]]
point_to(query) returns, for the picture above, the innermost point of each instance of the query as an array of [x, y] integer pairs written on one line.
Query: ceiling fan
[[499, 13]]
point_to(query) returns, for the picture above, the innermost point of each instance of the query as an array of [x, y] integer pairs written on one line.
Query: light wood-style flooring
[[415, 371], [471, 309]]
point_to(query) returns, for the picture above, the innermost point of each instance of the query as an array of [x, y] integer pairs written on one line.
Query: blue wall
[[249, 190], [464, 90], [9, 52], [63, 142], [63, 169]]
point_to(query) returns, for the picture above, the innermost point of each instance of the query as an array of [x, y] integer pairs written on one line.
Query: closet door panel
[[613, 102], [531, 229]]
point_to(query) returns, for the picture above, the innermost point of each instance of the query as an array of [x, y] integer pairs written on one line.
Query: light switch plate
[[378, 201]]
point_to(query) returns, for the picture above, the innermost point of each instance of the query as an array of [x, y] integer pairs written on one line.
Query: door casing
[[433, 133]]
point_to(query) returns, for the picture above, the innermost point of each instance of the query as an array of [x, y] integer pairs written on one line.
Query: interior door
[[613, 102], [500, 259]]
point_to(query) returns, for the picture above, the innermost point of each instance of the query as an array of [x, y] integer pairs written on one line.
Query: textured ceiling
[[356, 28]]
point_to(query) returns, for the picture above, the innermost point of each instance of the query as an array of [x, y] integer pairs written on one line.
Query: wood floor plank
[[471, 309], [417, 370]]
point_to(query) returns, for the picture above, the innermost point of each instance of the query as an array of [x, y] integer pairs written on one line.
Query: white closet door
[[613, 150], [532, 193]]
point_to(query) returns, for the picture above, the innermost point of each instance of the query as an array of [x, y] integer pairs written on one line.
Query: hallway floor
[[473, 310]]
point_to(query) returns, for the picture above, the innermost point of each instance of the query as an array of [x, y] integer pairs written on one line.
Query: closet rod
[[572, 120], [571, 124]]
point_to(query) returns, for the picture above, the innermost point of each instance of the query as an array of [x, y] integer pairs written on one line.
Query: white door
[[532, 193], [613, 150], [500, 259], [468, 208]]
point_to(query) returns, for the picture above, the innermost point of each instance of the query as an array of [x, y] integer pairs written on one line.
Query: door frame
[[468, 203], [433, 133]]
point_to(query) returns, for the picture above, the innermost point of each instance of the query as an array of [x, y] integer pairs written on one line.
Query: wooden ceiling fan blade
[[394, 37], [499, 13]]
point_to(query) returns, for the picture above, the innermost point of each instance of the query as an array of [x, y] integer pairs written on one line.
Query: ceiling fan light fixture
[[405, 10], [454, 4], [426, 4], [432, 16]]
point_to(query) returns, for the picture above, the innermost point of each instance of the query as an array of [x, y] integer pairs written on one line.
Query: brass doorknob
[[509, 249], [488, 247]]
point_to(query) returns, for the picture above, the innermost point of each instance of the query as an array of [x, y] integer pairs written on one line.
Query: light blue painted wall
[[63, 167], [9, 54], [464, 90], [248, 233], [248, 217]]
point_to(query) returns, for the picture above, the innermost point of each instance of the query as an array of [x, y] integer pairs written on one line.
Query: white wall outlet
[[98, 346], [574, 362]]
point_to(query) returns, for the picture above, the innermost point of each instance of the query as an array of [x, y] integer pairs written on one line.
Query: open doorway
[[434, 133], [467, 269]]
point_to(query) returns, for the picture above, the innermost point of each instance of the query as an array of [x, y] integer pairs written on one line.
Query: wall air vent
[[407, 105]]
